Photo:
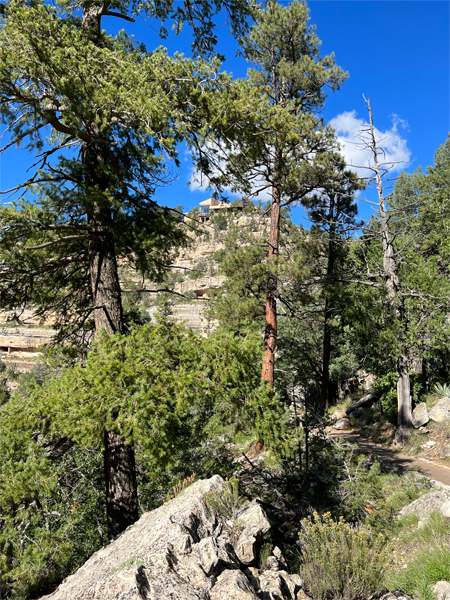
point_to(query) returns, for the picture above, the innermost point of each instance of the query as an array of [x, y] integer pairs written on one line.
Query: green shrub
[[443, 390], [225, 503], [387, 386], [341, 561]]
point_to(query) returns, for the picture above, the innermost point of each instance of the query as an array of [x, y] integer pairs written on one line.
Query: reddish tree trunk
[[270, 333]]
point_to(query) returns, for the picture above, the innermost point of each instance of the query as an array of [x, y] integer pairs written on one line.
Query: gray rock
[[275, 585], [278, 554], [178, 551], [272, 564], [441, 590], [440, 411], [231, 585], [445, 452], [424, 506], [420, 415], [445, 508], [339, 414], [365, 402], [254, 525], [342, 424], [429, 445]]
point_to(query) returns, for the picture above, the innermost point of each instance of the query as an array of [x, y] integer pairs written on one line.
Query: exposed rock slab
[[179, 551], [254, 525], [420, 415], [233, 585], [339, 414]]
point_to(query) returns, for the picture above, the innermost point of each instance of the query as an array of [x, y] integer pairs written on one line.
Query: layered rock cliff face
[[196, 272], [195, 275], [184, 551]]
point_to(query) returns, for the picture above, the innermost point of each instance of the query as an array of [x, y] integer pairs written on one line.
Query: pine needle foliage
[[163, 388]]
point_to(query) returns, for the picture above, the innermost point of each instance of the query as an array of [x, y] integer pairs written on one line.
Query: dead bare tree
[[395, 298]]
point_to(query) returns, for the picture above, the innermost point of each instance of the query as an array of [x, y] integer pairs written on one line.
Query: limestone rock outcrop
[[183, 551], [441, 590]]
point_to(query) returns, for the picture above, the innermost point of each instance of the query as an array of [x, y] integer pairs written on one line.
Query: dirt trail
[[433, 471]]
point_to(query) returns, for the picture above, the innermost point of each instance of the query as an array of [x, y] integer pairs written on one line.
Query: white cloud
[[199, 182], [352, 131]]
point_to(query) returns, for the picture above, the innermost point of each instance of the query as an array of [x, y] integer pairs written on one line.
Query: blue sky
[[396, 52]]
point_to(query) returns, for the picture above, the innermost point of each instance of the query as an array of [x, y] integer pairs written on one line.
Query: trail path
[[429, 469]]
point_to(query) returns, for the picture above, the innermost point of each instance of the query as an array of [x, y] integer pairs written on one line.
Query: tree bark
[[404, 421], [106, 294], [119, 459], [328, 311], [271, 329], [326, 359], [120, 483]]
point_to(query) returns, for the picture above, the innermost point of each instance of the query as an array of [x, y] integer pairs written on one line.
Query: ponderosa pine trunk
[[118, 457], [271, 329]]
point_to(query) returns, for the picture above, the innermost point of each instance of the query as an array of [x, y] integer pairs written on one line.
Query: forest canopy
[[126, 405]]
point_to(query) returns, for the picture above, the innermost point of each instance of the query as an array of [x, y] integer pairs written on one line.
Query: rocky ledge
[[183, 551]]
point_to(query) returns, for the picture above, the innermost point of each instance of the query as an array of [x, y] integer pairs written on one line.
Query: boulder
[[420, 415], [181, 551], [339, 414], [440, 411], [445, 509], [253, 524], [445, 452], [365, 402], [275, 585], [424, 506], [342, 424], [441, 590], [232, 585]]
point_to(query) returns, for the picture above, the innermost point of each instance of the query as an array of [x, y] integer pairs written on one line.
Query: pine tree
[[288, 155], [112, 114], [333, 212]]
